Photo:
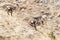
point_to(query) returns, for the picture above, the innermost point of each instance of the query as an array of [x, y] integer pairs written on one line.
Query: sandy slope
[[16, 27]]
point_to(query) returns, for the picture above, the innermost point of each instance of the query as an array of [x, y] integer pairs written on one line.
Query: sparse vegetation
[[52, 36]]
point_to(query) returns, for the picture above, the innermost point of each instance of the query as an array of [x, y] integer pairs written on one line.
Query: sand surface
[[16, 27]]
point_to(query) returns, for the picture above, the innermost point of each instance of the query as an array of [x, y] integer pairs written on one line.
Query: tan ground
[[16, 27]]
